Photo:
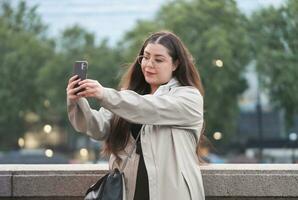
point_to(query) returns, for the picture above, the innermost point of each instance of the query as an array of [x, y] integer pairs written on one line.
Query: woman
[[161, 98]]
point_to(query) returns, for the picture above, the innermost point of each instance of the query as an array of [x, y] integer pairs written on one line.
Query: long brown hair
[[186, 73]]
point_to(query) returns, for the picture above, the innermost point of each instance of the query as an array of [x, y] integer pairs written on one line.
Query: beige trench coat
[[172, 118]]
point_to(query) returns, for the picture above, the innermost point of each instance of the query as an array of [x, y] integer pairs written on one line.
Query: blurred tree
[[23, 51], [275, 47], [213, 31], [22, 18], [34, 71]]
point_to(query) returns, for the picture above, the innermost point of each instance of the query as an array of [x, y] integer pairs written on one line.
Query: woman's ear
[[175, 66]]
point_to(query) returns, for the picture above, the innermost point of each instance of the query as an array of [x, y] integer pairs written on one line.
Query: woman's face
[[157, 65]]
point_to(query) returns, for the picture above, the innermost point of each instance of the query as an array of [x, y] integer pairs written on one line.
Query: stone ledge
[[5, 185], [221, 181]]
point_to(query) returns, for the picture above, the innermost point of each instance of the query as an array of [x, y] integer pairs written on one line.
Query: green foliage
[[22, 55], [34, 70], [22, 18], [275, 47]]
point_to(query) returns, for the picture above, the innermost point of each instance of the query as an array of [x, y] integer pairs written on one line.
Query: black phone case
[[80, 68]]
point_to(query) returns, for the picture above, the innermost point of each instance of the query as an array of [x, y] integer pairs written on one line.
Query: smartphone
[[80, 68]]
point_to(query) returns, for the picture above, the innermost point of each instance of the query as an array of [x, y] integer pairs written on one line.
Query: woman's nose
[[150, 63]]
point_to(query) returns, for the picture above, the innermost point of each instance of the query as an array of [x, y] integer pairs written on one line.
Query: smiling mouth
[[150, 73]]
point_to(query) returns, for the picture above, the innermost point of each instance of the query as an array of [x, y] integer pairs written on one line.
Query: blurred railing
[[221, 181]]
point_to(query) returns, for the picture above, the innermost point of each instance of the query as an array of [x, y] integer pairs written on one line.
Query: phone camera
[[83, 66]]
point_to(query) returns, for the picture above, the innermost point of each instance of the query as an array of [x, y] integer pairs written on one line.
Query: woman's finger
[[73, 97], [72, 78], [71, 94], [73, 91], [88, 81], [88, 92], [73, 83], [70, 83], [91, 85]]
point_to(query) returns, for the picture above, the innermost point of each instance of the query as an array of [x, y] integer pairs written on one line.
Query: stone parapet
[[221, 181]]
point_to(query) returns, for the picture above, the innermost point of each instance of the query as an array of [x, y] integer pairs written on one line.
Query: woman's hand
[[91, 88], [71, 90]]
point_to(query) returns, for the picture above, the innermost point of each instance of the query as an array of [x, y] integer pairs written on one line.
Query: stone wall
[[221, 181]]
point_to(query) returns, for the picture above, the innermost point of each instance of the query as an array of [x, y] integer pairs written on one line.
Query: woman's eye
[[159, 60], [146, 58]]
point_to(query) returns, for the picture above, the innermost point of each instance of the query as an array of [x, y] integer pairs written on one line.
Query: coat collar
[[167, 87]]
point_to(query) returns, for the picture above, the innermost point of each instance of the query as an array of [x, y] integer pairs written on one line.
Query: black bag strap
[[131, 151]]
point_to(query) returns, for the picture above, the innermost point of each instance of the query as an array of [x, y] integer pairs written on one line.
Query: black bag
[[109, 187]]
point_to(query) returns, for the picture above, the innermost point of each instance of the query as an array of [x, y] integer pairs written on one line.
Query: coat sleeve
[[183, 106], [95, 123]]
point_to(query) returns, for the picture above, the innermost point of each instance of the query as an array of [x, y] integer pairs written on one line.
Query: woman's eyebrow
[[146, 52], [159, 55]]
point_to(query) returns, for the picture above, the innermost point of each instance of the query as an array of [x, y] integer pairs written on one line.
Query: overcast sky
[[111, 18]]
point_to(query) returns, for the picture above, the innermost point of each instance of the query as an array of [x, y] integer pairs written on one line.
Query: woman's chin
[[150, 80]]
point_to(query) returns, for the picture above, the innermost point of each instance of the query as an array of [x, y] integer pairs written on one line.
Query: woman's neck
[[153, 88]]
